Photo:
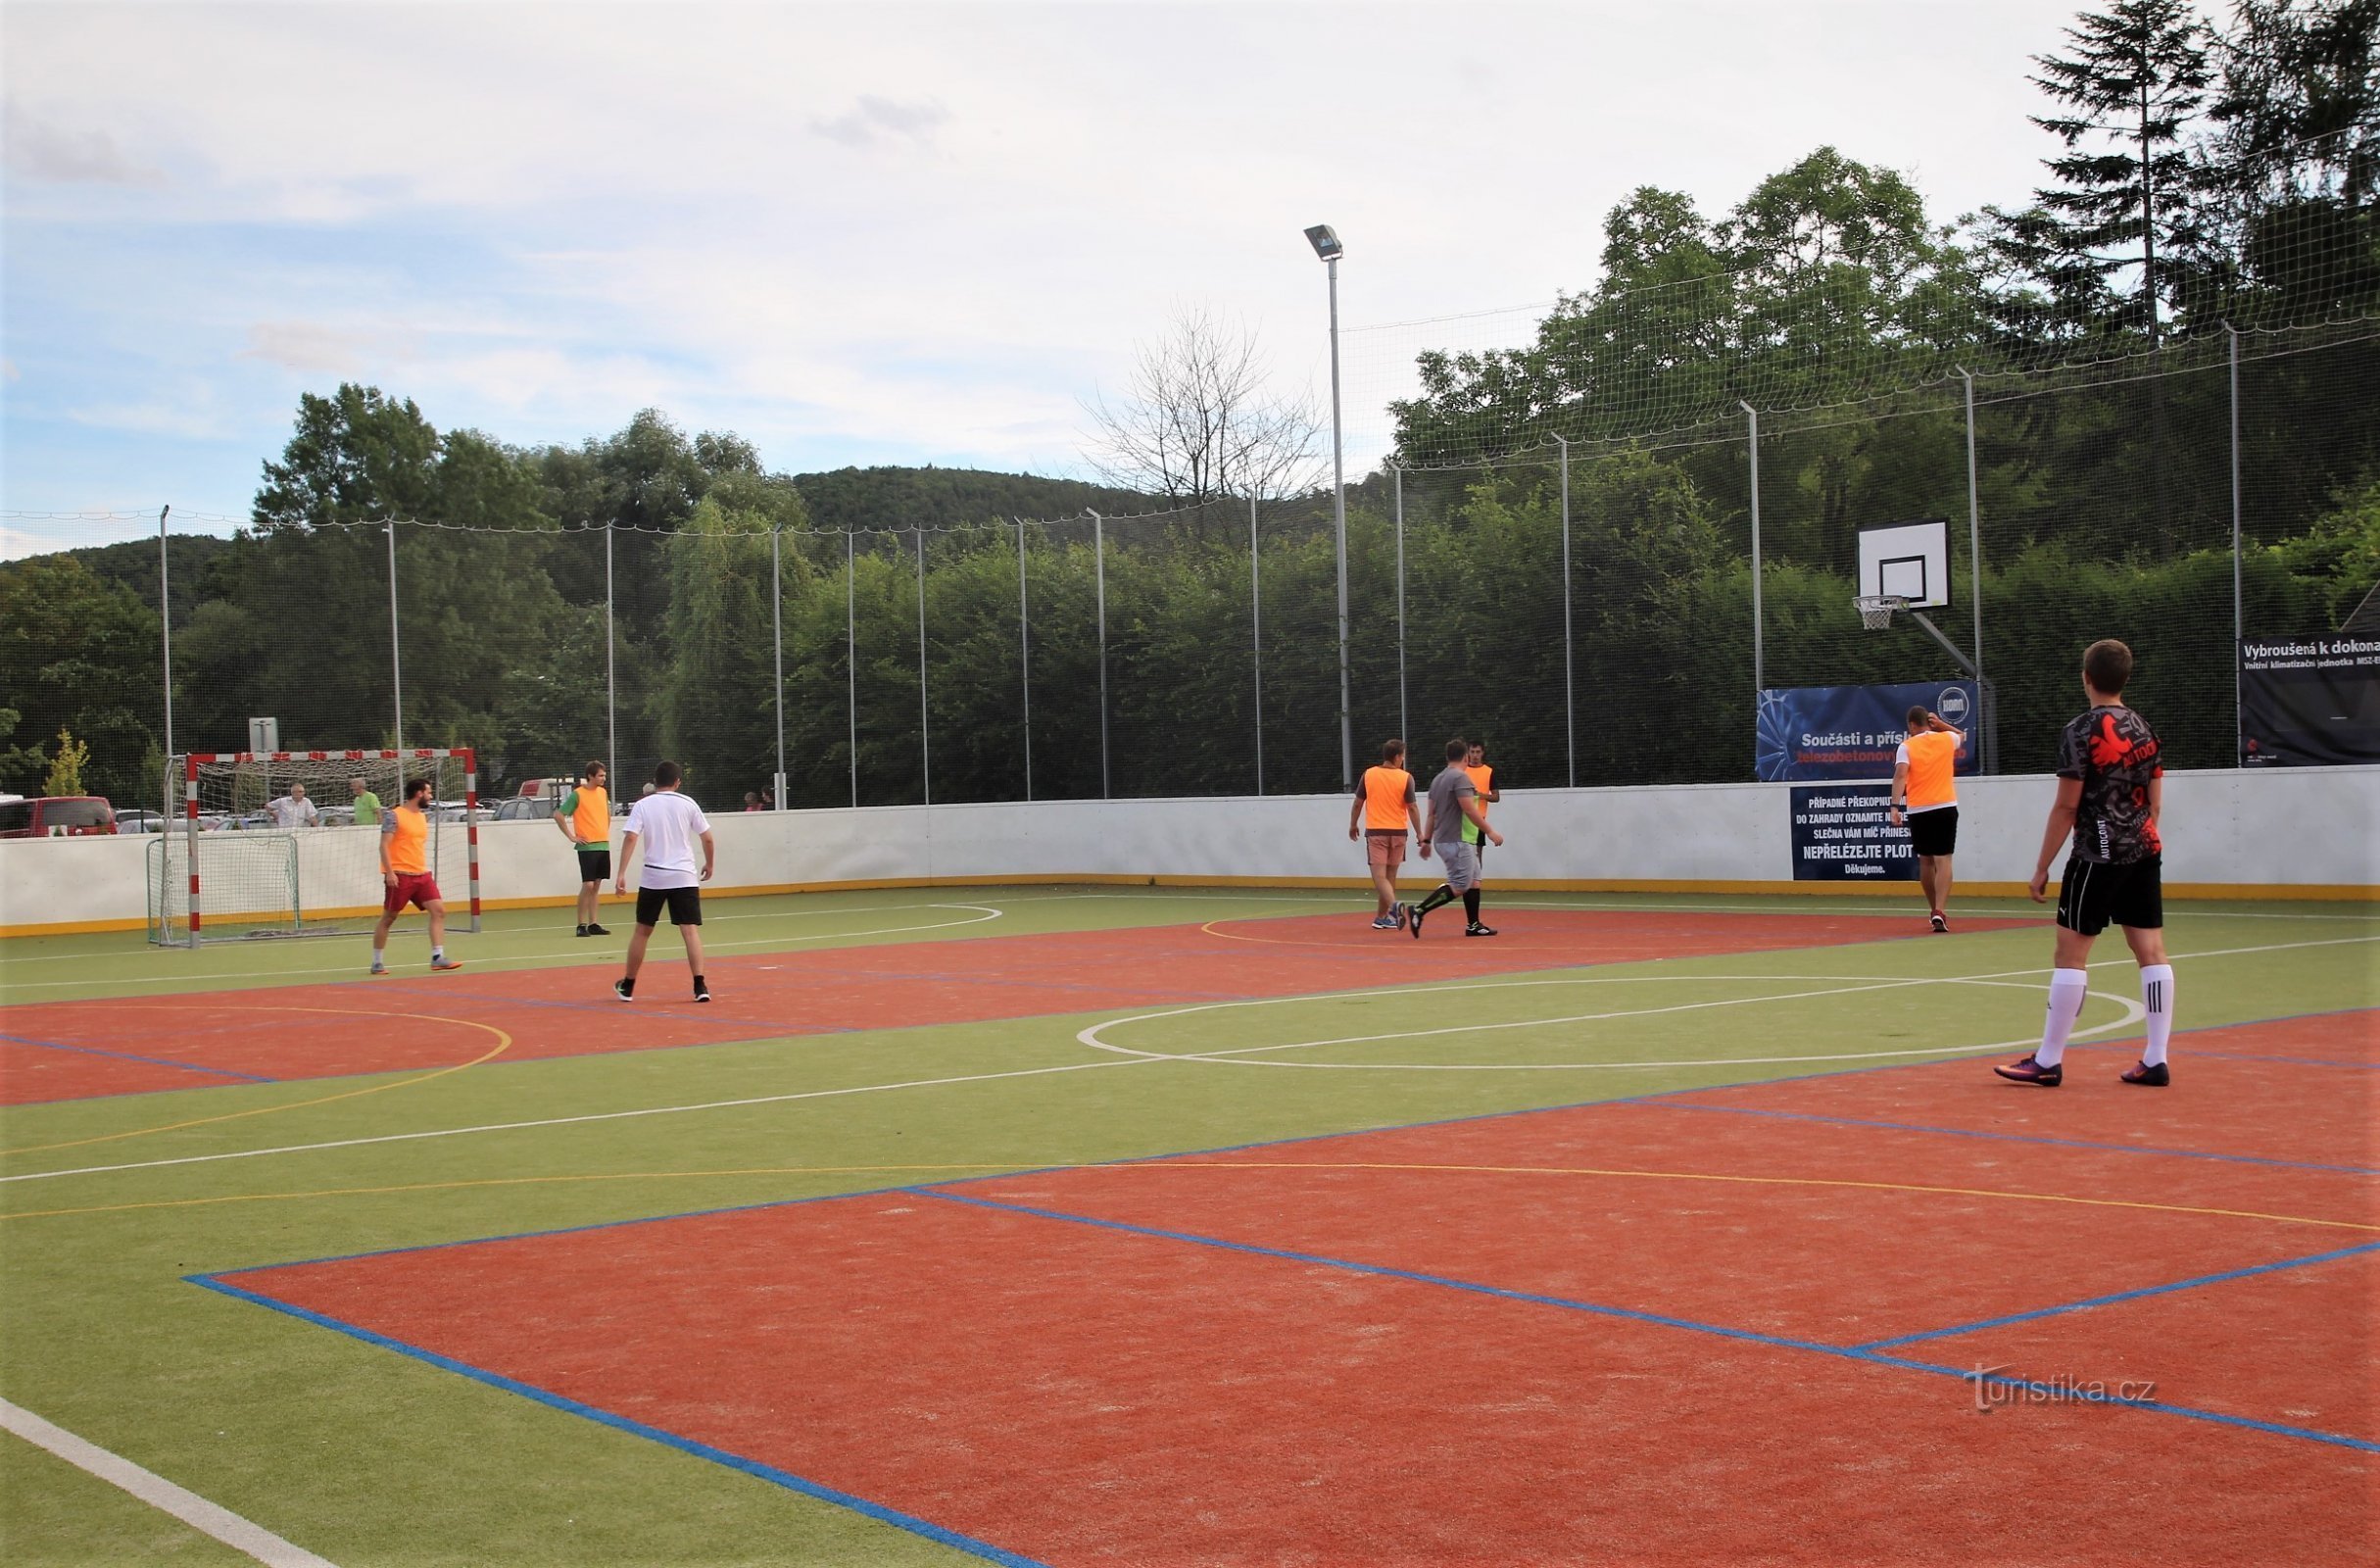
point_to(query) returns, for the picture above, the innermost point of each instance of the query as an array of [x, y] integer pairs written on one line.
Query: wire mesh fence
[[1599, 610]]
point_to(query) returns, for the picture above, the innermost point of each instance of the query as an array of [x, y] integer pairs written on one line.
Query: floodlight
[[1326, 244]]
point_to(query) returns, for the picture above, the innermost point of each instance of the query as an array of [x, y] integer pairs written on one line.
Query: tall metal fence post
[[1759, 674], [1570, 706], [776, 627], [396, 656], [1256, 640], [164, 620], [1990, 716], [1098, 566], [850, 657], [1396, 475], [612, 697], [2239, 616], [1024, 652], [925, 721]]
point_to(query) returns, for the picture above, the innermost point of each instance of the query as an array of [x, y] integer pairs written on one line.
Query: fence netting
[[1584, 607]]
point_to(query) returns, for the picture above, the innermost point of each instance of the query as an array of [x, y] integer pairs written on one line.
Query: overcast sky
[[859, 234]]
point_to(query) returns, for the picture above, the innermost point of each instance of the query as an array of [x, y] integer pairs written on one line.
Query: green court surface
[[112, 1202]]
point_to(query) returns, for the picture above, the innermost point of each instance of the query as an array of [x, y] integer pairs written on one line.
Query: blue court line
[[701, 1451], [125, 1056], [1845, 1353], [2122, 1296], [2016, 1138]]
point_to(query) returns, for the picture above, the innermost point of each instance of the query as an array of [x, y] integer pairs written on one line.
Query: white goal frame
[[189, 825]]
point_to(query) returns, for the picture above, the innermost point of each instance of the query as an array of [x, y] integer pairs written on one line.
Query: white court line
[[253, 1540], [521, 961], [1996, 906], [1241, 1056], [934, 1083]]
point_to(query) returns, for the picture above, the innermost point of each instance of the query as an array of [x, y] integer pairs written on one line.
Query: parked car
[[142, 821], [526, 809], [55, 815]]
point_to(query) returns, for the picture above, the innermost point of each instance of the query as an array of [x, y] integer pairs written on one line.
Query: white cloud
[[307, 347], [873, 120], [40, 151]]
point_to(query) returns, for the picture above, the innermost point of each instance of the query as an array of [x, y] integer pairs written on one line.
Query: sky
[[885, 233]]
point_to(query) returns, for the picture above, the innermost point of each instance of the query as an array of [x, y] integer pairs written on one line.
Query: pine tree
[[2134, 79]]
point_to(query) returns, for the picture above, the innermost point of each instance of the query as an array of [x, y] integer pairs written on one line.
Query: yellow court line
[[504, 1043], [1175, 1162], [1757, 1181]]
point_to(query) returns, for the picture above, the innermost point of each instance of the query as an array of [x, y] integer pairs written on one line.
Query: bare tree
[[1197, 422]]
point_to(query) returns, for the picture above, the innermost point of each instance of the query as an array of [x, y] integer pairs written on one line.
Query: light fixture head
[[1326, 244]]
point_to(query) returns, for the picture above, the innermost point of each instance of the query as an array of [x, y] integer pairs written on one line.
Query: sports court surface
[[1155, 1226]]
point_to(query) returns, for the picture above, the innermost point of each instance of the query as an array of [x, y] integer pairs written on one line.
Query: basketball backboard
[[1910, 559]]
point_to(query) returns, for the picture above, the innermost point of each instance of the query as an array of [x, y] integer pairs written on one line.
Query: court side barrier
[[2304, 833]]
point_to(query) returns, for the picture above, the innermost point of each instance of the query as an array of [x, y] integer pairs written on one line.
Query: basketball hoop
[[1876, 610]]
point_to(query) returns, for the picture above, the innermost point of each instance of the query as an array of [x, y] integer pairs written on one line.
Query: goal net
[[269, 843]]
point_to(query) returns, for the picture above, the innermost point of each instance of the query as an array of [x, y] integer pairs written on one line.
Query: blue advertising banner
[[1841, 833], [1842, 732]]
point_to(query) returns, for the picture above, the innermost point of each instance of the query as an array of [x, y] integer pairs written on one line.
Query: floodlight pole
[[1570, 705], [1990, 749], [776, 627], [2238, 623], [1339, 520], [396, 656], [165, 619], [1024, 652], [611, 694], [1256, 641], [1759, 675], [1396, 475], [1098, 567]]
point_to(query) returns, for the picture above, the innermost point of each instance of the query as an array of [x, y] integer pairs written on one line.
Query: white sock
[[379, 955], [438, 954], [2067, 988], [2157, 995]]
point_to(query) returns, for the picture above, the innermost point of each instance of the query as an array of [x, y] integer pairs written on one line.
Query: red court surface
[[1317, 1352], [77, 1050]]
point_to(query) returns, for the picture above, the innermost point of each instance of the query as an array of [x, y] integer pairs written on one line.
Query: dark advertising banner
[[2310, 701], [1841, 834], [1829, 732]]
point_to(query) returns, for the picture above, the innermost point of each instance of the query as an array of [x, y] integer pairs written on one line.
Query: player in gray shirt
[[1453, 800]]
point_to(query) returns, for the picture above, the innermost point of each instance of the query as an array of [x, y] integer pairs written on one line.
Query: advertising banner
[[1839, 732], [1841, 834], [2310, 701]]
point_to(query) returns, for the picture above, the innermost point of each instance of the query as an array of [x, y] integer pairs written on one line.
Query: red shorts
[[417, 888]]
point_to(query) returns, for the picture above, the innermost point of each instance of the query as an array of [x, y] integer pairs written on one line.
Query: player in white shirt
[[294, 809], [668, 825]]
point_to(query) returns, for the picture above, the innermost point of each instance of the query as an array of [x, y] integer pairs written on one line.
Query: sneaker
[[579, 931], [702, 992], [1939, 923], [2029, 1071], [619, 989], [1384, 922], [1413, 920], [1396, 917], [2148, 1077], [1476, 929], [379, 968], [446, 963], [597, 931]]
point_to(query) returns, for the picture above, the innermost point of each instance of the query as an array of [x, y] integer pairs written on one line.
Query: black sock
[[628, 986], [699, 984], [1470, 905], [1442, 894]]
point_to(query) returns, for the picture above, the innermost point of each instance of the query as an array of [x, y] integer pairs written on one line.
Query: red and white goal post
[[235, 865]]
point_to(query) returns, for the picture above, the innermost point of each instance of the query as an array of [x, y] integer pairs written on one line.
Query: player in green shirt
[[368, 805]]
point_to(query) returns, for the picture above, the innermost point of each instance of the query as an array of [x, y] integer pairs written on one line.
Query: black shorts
[[2096, 893], [595, 865], [685, 906], [1934, 832]]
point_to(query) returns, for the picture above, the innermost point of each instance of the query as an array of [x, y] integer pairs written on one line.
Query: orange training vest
[[1387, 789], [593, 818], [408, 837], [1933, 760]]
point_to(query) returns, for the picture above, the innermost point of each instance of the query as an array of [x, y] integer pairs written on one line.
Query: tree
[[65, 776], [1197, 423], [357, 456], [2137, 75], [77, 652]]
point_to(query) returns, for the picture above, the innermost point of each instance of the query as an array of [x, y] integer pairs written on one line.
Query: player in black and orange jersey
[[2111, 793], [1383, 817]]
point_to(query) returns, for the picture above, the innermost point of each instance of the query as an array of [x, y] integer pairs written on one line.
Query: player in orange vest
[[585, 818], [1925, 790], [1383, 817]]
